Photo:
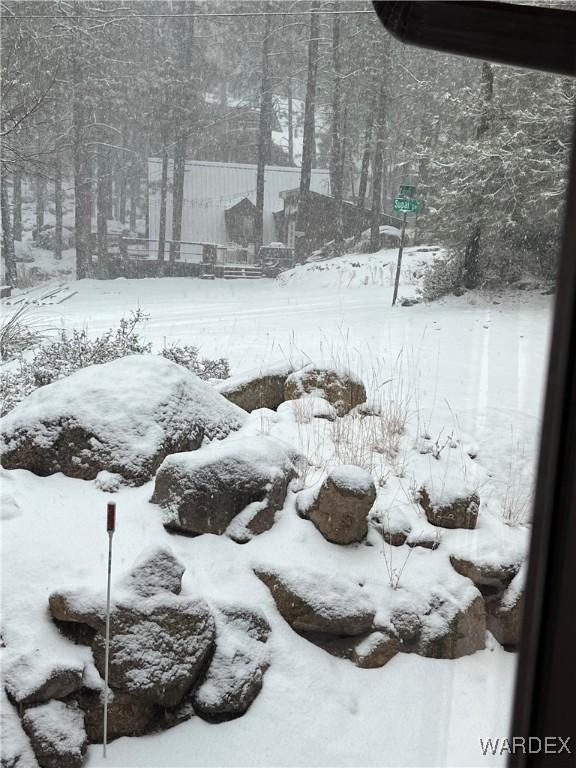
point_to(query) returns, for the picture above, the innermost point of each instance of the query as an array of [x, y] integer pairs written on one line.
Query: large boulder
[[341, 388], [203, 491], [313, 602], [450, 508], [29, 679], [158, 647], [125, 417], [259, 388], [57, 734], [340, 510], [505, 611], [449, 627], [234, 677]]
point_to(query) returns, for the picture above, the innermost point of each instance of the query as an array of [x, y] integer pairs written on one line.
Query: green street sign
[[407, 190], [405, 205]]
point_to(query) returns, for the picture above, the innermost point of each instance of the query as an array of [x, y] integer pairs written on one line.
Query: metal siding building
[[210, 188]]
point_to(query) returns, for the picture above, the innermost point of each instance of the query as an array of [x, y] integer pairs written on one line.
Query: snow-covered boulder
[[22, 251], [158, 647], [258, 388], [450, 506], [124, 417], [342, 389], [314, 602], [449, 627], [29, 679], [486, 573], [155, 571], [234, 677], [340, 510], [203, 491], [57, 734], [504, 612]]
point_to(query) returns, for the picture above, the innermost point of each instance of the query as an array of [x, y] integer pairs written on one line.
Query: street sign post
[[404, 203]]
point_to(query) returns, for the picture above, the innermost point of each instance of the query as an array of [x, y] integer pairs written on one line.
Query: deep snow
[[469, 368]]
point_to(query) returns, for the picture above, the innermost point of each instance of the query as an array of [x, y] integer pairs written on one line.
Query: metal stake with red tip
[[110, 526]]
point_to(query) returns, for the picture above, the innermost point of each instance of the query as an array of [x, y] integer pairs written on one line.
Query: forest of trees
[[92, 89]]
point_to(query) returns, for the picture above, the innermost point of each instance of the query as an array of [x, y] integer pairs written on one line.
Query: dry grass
[[18, 332]]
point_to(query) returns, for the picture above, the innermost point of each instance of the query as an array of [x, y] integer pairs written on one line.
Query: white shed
[[210, 188]]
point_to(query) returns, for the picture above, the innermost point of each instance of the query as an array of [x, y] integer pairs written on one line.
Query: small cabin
[[240, 222]]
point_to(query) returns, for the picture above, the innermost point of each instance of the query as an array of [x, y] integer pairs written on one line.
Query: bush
[[187, 356], [441, 277], [71, 351]]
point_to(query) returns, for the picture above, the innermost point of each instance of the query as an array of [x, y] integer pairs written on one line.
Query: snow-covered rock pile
[[124, 417], [342, 389], [389, 552], [236, 485], [292, 380], [171, 656]]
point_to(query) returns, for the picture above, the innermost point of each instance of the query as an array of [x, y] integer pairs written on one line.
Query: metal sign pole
[[399, 265], [110, 526]]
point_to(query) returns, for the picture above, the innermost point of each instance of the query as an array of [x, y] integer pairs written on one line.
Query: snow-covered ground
[[471, 367]]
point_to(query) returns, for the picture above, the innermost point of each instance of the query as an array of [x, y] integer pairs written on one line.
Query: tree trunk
[[146, 189], [472, 271], [58, 207], [17, 205], [101, 211], [337, 145], [365, 166], [290, 123], [309, 140], [163, 200], [40, 203], [377, 171], [11, 276], [264, 134], [82, 180], [186, 44], [134, 195], [122, 192]]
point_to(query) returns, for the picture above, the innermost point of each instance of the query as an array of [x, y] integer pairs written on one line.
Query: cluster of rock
[[269, 389], [170, 657]]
